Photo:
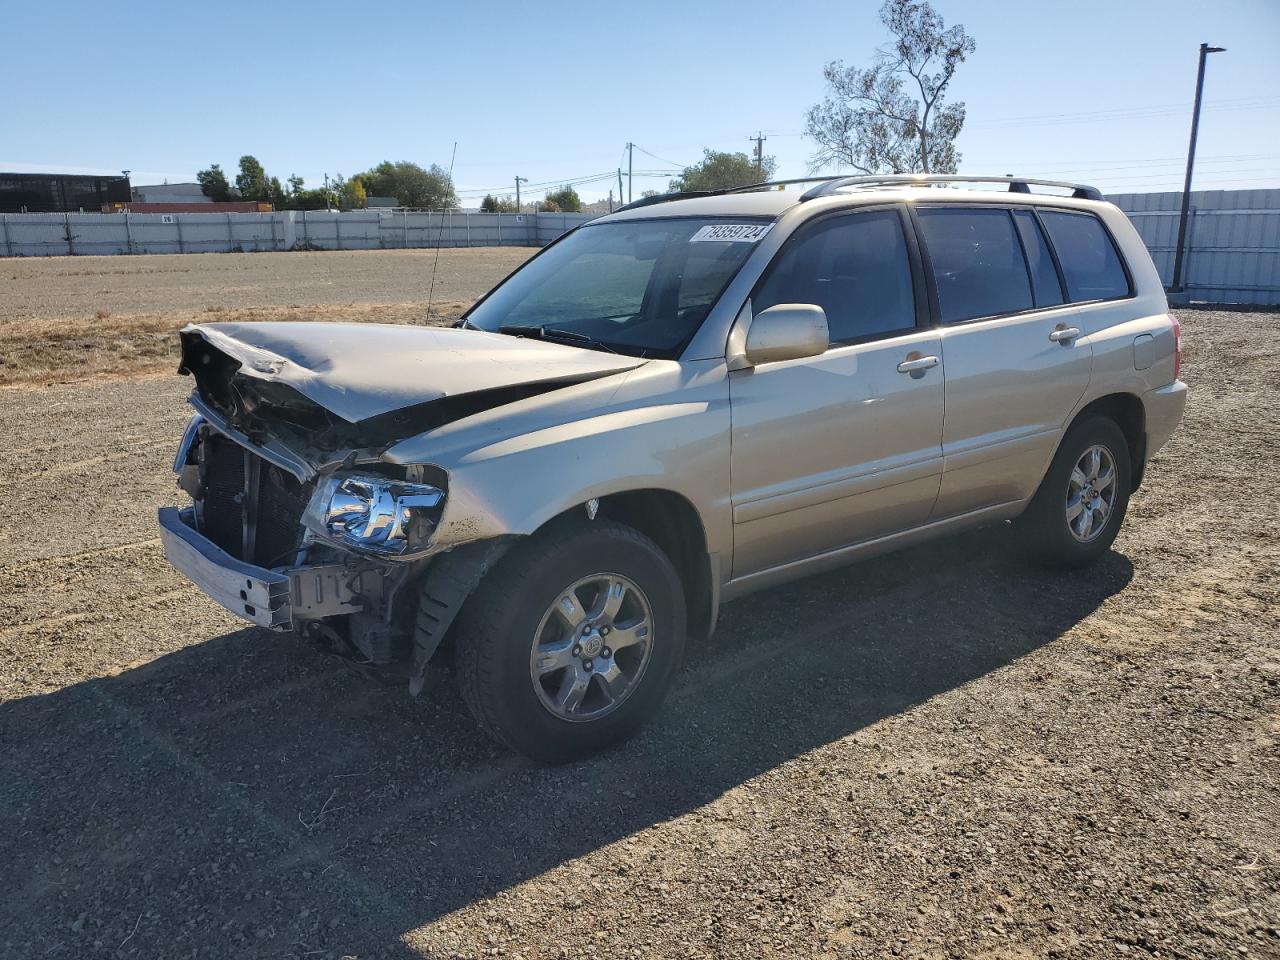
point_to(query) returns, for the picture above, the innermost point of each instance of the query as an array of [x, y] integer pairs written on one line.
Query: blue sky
[[1099, 92]]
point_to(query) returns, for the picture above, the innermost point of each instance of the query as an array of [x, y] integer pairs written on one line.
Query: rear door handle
[[1064, 334], [918, 363]]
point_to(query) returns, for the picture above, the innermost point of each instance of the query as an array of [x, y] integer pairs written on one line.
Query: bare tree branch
[[867, 123]]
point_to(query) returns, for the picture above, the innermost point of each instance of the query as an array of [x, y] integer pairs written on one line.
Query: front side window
[[977, 260], [636, 287], [1089, 261], [855, 268]]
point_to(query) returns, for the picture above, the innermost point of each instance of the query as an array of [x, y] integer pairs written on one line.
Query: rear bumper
[[251, 593], [1164, 407]]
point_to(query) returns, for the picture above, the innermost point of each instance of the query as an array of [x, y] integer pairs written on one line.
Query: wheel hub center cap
[[591, 645]]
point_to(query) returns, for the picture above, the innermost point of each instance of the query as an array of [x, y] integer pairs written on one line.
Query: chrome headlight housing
[[374, 514]]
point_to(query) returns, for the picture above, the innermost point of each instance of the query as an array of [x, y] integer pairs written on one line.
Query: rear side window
[[855, 267], [1090, 264], [978, 264], [1044, 275]]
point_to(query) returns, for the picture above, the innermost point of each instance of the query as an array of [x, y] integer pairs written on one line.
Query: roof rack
[[826, 186], [1079, 191]]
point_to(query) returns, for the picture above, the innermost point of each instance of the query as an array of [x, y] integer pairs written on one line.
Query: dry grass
[[70, 349]]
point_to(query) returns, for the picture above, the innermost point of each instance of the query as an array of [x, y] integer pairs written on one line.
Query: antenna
[[439, 235]]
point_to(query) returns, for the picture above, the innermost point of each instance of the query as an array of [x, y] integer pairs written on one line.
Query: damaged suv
[[669, 407]]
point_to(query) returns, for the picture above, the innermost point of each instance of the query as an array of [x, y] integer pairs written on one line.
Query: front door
[[845, 447]]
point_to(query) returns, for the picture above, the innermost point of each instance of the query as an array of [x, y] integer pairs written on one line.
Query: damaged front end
[[328, 556], [296, 521]]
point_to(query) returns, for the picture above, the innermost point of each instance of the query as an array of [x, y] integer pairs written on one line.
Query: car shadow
[[246, 795]]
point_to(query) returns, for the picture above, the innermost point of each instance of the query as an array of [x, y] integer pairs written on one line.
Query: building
[[170, 193], [59, 192]]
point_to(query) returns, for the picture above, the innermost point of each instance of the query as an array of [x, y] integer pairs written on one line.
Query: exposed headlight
[[375, 514]]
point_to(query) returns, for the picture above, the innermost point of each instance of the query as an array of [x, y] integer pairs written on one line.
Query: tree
[[492, 204], [279, 199], [352, 196], [722, 171], [564, 200], [251, 181], [214, 185], [410, 184], [892, 116]]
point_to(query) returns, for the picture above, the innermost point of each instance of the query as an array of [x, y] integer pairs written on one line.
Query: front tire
[[572, 642], [1077, 512]]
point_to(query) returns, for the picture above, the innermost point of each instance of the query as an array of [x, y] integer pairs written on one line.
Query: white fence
[[1233, 238], [82, 234], [1233, 241]]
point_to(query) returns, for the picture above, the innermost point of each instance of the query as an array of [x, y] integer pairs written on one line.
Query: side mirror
[[787, 331]]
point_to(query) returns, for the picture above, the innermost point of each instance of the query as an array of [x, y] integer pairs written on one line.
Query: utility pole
[[519, 180], [326, 191], [630, 146], [759, 138], [619, 184], [611, 199], [1176, 287]]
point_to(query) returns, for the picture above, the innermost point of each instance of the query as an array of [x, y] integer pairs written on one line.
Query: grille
[[223, 514], [279, 498]]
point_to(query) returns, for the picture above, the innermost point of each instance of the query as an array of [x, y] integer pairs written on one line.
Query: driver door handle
[[1064, 334], [919, 363]]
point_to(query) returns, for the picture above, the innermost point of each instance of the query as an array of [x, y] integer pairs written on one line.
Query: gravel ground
[[941, 753], [68, 319]]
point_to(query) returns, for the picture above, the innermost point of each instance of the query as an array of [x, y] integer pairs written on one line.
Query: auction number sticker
[[731, 232]]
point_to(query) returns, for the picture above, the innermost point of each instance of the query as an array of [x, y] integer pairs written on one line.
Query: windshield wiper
[[552, 333]]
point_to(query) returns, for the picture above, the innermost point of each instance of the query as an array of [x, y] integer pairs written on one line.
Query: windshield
[[639, 287]]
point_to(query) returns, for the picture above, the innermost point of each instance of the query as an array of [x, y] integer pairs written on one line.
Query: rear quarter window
[[1091, 266]]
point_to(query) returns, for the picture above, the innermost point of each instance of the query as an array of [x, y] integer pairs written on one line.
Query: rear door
[[832, 450], [1015, 364]]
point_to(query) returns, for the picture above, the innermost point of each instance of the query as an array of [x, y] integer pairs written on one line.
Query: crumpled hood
[[359, 371]]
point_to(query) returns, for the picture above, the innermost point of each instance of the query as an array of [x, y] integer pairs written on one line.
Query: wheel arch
[[1128, 413]]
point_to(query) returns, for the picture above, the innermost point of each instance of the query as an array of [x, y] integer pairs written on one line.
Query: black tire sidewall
[[1047, 532], [512, 703]]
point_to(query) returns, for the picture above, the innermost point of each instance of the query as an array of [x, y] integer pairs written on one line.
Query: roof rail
[[829, 186], [826, 186]]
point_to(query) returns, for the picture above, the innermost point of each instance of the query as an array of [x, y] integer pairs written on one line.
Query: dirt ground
[[942, 753], [64, 319]]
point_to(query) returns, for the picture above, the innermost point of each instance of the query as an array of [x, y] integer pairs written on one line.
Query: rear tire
[[1077, 512], [538, 665]]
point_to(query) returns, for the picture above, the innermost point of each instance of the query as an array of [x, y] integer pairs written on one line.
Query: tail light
[[1177, 346]]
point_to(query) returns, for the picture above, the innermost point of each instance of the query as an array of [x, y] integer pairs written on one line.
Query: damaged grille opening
[[250, 508]]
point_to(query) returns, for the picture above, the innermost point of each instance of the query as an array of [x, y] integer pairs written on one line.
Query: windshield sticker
[[731, 233]]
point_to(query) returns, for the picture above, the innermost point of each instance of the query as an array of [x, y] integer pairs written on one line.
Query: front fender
[[512, 481]]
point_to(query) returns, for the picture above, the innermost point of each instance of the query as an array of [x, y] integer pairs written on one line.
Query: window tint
[[855, 267], [977, 263], [1044, 276], [1089, 261]]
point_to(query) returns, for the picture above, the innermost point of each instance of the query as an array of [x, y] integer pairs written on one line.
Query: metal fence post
[[231, 240], [128, 233], [4, 228], [66, 229], [177, 222], [499, 228], [337, 230], [468, 216], [306, 238]]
